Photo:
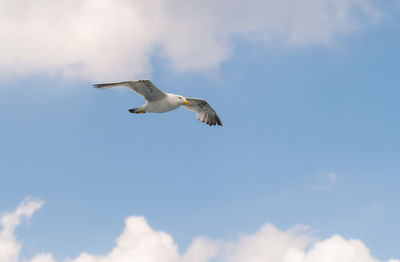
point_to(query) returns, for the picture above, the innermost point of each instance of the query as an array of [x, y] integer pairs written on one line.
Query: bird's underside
[[160, 102]]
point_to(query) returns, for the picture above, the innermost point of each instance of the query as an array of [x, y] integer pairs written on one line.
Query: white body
[[169, 103]]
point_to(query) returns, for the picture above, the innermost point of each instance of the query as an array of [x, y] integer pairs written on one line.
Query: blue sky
[[310, 137]]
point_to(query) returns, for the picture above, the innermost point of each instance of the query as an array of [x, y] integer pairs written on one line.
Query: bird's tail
[[133, 110], [137, 110]]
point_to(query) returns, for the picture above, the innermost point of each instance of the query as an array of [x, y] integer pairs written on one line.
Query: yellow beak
[[186, 102]]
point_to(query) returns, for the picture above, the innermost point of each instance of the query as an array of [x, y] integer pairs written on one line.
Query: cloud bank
[[115, 39], [140, 243]]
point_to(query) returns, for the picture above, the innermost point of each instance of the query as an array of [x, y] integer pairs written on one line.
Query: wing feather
[[204, 112], [144, 88]]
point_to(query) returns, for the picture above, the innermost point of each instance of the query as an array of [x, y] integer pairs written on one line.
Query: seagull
[[158, 101]]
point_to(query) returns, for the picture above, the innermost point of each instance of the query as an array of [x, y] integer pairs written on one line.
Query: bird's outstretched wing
[[204, 112], [144, 88]]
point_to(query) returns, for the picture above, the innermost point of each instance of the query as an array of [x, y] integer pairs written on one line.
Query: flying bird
[[158, 101]]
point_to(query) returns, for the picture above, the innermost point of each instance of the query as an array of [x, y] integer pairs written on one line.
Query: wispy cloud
[[325, 181], [112, 39], [140, 243]]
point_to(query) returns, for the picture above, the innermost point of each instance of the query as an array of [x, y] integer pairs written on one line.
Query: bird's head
[[182, 100]]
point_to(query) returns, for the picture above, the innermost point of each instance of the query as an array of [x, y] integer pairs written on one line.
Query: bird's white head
[[181, 100]]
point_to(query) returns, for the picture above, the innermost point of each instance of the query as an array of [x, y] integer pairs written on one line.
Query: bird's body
[[163, 105], [161, 102]]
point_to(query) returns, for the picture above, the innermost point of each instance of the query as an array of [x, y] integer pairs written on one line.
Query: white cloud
[[113, 39], [43, 258], [140, 243], [9, 247], [325, 181]]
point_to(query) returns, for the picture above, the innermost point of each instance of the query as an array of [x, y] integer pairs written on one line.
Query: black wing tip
[[217, 122], [105, 85], [98, 86]]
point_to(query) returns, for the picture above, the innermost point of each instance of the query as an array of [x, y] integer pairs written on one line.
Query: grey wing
[[204, 112], [144, 88]]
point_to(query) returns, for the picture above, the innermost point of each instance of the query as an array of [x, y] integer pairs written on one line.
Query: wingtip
[[219, 122], [101, 86]]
